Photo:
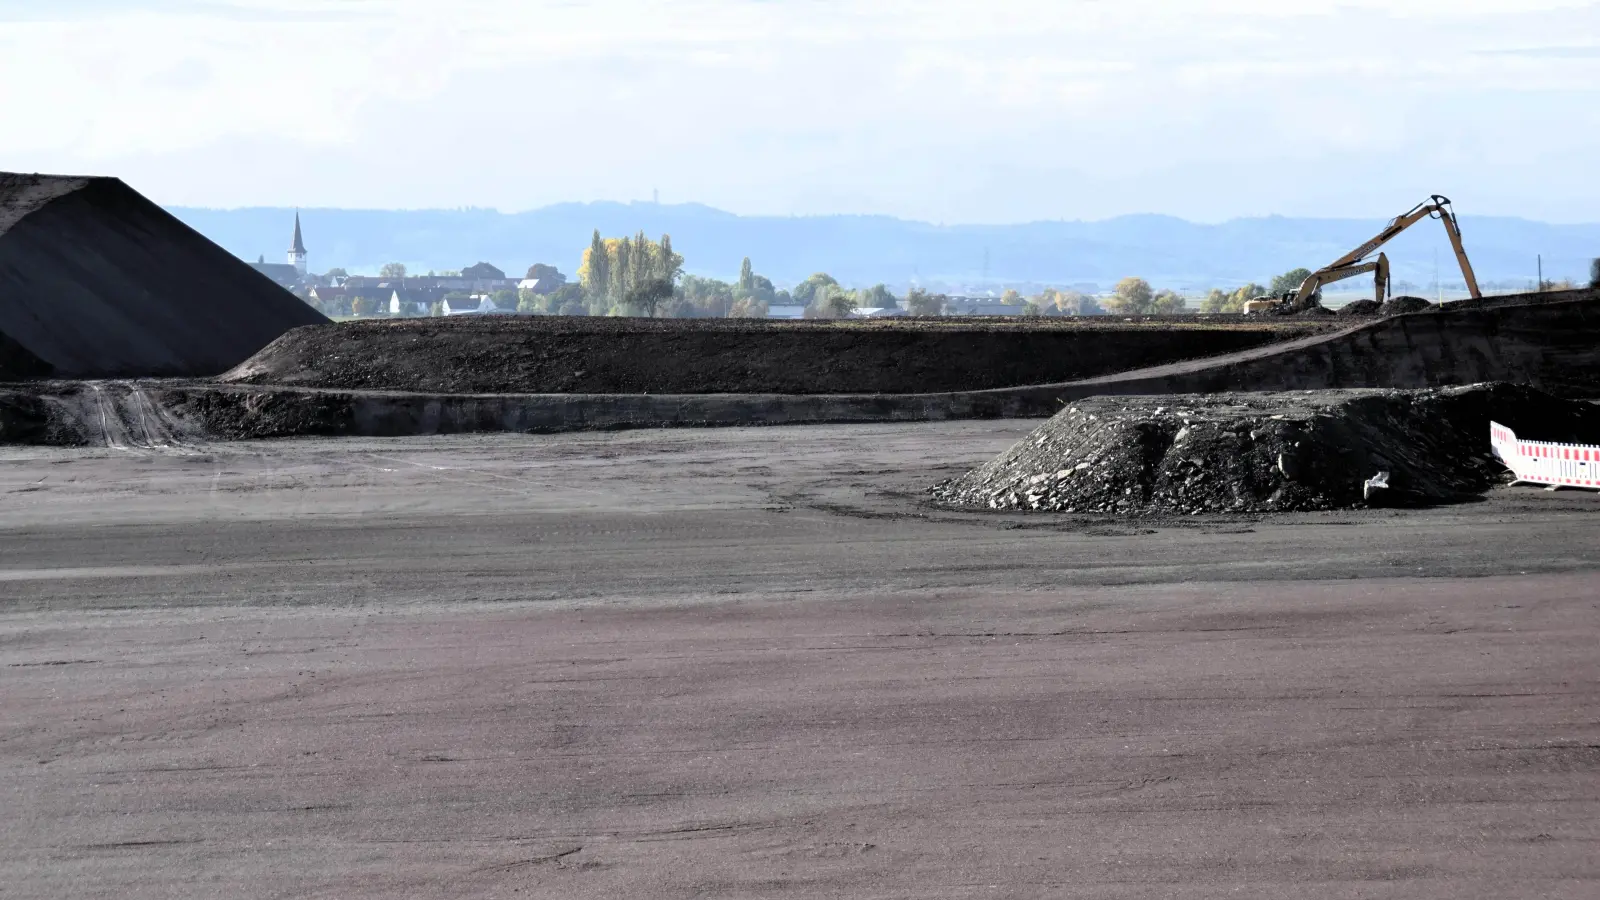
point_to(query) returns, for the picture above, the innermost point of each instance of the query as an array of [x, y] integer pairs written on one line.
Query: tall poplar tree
[[671, 263], [598, 281], [625, 275]]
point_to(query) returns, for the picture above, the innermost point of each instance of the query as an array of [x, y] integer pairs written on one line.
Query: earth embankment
[[563, 355], [1553, 346]]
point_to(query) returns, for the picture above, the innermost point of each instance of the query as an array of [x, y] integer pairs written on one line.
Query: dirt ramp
[[1554, 346], [1185, 454], [97, 281], [565, 355]]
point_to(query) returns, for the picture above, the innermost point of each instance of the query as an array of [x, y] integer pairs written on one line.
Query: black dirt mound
[[97, 281], [16, 363], [1401, 305], [244, 415], [1360, 308], [1186, 454], [703, 356], [24, 419]]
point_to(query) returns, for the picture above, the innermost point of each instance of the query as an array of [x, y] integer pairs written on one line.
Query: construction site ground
[[756, 662]]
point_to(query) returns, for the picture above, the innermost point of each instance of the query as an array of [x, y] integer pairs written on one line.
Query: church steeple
[[297, 250]]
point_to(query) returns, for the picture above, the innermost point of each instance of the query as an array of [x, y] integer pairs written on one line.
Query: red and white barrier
[[1541, 462]]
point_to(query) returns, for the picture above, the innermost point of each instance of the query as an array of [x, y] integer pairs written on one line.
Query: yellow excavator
[[1352, 264]]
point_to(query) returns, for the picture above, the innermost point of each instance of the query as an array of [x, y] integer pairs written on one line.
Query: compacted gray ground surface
[[754, 662]]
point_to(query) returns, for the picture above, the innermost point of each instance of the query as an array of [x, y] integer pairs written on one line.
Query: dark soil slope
[[604, 356], [1190, 453], [1554, 346], [16, 363], [97, 281]]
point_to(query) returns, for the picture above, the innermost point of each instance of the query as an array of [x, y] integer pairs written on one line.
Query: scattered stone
[[1271, 451]]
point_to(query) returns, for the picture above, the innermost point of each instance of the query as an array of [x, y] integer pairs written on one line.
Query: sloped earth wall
[[1262, 452], [1554, 346], [586, 355], [84, 413]]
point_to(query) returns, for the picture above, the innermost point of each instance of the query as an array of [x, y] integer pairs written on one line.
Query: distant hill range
[[861, 250]]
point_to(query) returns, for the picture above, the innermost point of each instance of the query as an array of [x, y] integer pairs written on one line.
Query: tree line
[[638, 276]]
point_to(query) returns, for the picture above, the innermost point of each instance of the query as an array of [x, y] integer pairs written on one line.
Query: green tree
[[875, 297], [622, 274], [670, 264], [337, 273], [1070, 302], [1243, 295], [363, 306], [749, 307], [1167, 303], [595, 272], [1288, 281], [747, 276], [505, 299], [648, 295], [563, 299], [392, 270], [921, 303], [1032, 308], [1132, 296], [840, 304], [1216, 301], [707, 297], [805, 293]]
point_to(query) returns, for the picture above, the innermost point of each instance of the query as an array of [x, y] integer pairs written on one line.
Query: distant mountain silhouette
[[861, 250]]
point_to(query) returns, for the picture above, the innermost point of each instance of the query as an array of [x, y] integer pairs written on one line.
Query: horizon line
[[692, 204]]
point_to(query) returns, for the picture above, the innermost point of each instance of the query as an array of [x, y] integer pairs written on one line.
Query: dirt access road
[[746, 663]]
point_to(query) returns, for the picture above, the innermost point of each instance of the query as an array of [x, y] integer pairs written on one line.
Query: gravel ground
[[751, 663]]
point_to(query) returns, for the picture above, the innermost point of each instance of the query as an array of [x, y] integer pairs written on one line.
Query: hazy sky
[[945, 110]]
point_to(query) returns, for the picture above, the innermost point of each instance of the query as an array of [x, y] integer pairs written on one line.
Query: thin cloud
[[952, 110]]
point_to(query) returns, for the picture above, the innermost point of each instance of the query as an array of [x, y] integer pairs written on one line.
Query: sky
[[951, 111]]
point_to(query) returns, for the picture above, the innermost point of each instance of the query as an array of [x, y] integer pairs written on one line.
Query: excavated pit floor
[[732, 663]]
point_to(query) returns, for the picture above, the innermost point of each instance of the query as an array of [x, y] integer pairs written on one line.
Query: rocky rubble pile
[[1310, 450]]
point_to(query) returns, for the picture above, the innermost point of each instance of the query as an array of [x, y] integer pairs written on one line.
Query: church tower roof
[[299, 246]]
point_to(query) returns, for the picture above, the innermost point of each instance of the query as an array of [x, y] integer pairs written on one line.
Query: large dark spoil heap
[[97, 281], [1186, 454]]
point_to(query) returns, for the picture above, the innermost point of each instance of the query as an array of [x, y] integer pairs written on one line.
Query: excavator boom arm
[[1330, 275], [1454, 230], [1390, 232], [1437, 206]]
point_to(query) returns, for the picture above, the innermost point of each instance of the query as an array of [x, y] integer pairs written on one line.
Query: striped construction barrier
[[1542, 462]]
